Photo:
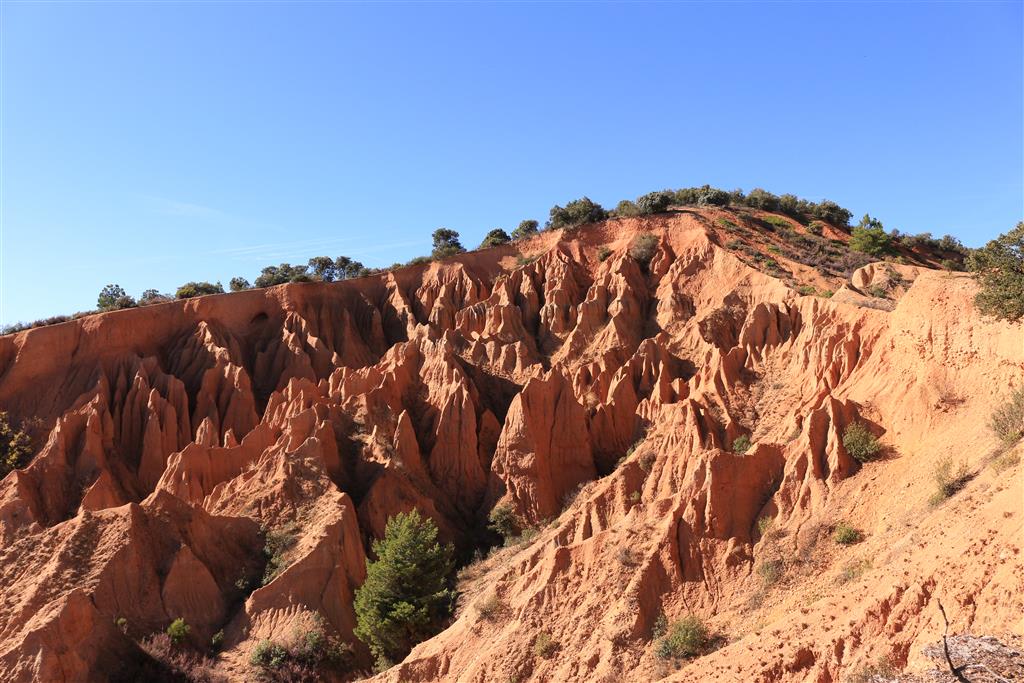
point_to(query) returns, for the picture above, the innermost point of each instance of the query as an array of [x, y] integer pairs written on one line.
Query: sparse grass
[[733, 244], [741, 444], [647, 461], [806, 290], [882, 670], [687, 637], [543, 645], [771, 571], [949, 479], [491, 608], [844, 534], [853, 570], [1007, 420], [603, 253], [642, 249], [634, 497], [659, 627], [276, 545], [764, 525], [627, 558], [860, 443], [878, 291], [523, 260], [1004, 461], [777, 222]]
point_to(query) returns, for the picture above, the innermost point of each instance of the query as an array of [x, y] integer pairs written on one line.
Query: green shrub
[[762, 199], [844, 534], [741, 444], [178, 631], [217, 640], [238, 284], [495, 238], [543, 645], [191, 289], [503, 521], [806, 290], [603, 253], [816, 228], [860, 443], [949, 479], [634, 497], [827, 210], [281, 274], [654, 202], [712, 196], [112, 298], [268, 655], [407, 595], [446, 243], [526, 228], [642, 249], [275, 548], [575, 213], [687, 637], [870, 237], [625, 209], [15, 445], [764, 525], [999, 269], [778, 222]]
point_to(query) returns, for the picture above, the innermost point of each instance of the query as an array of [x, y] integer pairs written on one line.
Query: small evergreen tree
[[407, 594], [999, 268], [526, 228], [113, 297], [346, 269], [323, 268], [495, 238], [238, 284], [869, 237], [577, 212], [446, 243]]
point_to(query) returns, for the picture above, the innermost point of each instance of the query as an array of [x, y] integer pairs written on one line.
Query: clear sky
[[152, 143]]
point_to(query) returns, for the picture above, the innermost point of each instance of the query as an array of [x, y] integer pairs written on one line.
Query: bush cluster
[[949, 479], [15, 445], [860, 443], [191, 289], [495, 238], [999, 269], [687, 637], [642, 249], [1007, 421], [303, 658], [575, 213]]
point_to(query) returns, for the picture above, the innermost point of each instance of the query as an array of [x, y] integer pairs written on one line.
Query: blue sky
[[149, 144]]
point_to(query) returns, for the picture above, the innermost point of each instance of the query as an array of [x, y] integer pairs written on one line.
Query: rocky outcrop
[[229, 460]]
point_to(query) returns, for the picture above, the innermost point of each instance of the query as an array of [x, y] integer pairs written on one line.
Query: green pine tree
[[1000, 271], [407, 594]]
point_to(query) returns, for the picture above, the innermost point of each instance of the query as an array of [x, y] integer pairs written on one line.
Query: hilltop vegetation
[[1001, 282]]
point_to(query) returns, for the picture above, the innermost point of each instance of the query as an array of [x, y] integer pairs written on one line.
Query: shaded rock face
[[601, 401]]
